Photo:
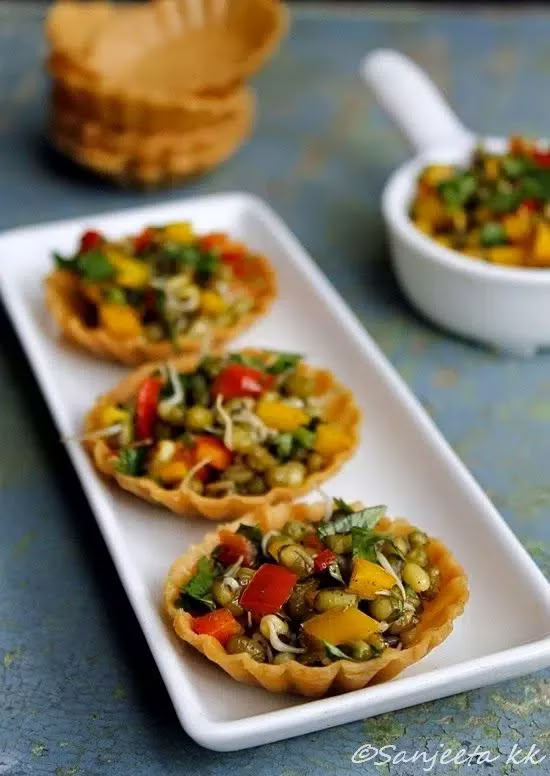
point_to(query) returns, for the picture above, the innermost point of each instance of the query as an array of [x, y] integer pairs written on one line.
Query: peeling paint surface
[[79, 692]]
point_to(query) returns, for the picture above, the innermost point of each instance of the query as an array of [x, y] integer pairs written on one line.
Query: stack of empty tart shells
[[154, 92]]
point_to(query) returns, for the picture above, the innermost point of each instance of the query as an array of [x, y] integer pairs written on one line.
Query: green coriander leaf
[[246, 359], [206, 265], [198, 589], [251, 532], [342, 506], [458, 190], [536, 184], [284, 362], [95, 267], [131, 461], [184, 253], [62, 262], [365, 518], [514, 166], [503, 201], [365, 542]]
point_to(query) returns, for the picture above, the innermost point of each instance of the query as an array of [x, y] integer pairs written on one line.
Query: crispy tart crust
[[66, 304], [183, 501], [436, 622]]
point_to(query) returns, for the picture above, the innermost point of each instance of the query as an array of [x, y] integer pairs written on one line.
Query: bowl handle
[[413, 101]]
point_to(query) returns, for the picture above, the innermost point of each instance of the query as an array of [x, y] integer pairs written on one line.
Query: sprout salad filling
[[242, 423], [496, 209], [339, 589], [164, 283]]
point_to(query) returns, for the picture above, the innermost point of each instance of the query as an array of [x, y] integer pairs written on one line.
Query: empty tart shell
[[436, 621], [68, 308], [168, 159], [72, 92], [180, 47], [339, 406], [88, 133], [167, 52], [71, 28]]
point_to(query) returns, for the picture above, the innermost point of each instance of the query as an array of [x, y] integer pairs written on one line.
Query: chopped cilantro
[[457, 191], [95, 267], [131, 461], [62, 262], [364, 518], [251, 532], [198, 591], [283, 363]]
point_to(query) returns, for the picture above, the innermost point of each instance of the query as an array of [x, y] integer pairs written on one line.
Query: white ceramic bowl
[[505, 307]]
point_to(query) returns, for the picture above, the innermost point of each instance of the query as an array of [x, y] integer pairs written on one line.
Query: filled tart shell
[[340, 405], [70, 310], [435, 625]]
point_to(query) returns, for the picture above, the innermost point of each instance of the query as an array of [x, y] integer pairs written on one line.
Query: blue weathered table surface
[[79, 692]]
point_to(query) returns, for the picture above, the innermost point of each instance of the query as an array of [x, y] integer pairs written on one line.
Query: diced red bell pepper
[[143, 240], [238, 261], [530, 204], [234, 546], [312, 540], [147, 400], [213, 241], [238, 380], [541, 157], [220, 624], [90, 240], [268, 590], [325, 559], [213, 448]]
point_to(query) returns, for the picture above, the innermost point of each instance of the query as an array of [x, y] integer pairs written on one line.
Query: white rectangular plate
[[403, 461]]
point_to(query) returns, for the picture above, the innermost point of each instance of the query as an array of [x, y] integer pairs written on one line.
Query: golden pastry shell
[[436, 621], [340, 407]]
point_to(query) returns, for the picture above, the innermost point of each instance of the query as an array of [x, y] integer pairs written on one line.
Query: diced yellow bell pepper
[[181, 232], [280, 416], [434, 174], [508, 255], [111, 415], [172, 472], [430, 209], [212, 303], [330, 439], [341, 625], [442, 239], [424, 226], [517, 226], [492, 168], [130, 273], [120, 320], [368, 578], [459, 220], [541, 248]]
